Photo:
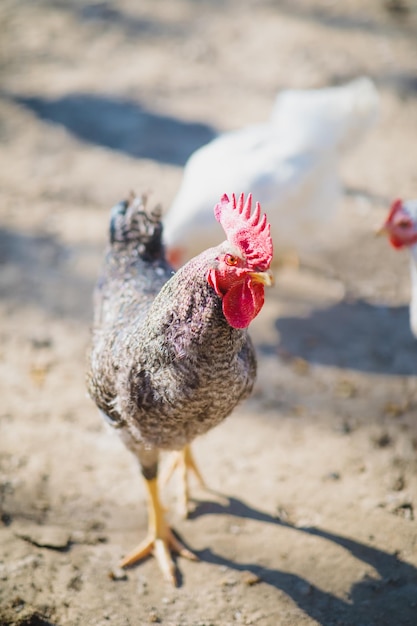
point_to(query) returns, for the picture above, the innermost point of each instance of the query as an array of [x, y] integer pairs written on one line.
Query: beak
[[266, 278], [382, 231]]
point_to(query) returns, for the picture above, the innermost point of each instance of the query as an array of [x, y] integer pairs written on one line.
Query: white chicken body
[[413, 302], [401, 229], [290, 163], [411, 208]]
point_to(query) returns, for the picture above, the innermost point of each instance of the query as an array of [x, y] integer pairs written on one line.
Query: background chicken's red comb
[[250, 233], [395, 206]]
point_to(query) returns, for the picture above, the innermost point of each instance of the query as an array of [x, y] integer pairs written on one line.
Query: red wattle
[[396, 243], [242, 303]]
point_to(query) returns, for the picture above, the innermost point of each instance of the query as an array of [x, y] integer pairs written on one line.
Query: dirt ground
[[313, 516]]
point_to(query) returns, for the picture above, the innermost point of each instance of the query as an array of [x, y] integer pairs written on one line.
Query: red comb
[[395, 207], [250, 233]]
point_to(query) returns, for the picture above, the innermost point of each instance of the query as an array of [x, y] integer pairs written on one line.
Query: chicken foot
[[184, 461], [160, 540]]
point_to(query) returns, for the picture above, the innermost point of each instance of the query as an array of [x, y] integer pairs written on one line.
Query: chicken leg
[[160, 539], [184, 461]]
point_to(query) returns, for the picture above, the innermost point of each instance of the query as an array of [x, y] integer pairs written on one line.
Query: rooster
[[401, 229], [290, 163], [170, 353]]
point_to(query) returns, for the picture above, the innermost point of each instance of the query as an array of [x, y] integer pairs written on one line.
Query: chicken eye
[[404, 223], [230, 259]]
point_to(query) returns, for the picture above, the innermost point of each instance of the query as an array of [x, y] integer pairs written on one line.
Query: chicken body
[[290, 163], [165, 365]]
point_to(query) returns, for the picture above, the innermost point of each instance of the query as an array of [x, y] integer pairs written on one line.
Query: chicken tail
[[132, 222]]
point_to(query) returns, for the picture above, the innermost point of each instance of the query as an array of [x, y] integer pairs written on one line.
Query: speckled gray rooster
[[170, 355]]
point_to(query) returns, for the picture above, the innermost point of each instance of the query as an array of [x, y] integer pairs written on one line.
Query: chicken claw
[[160, 540]]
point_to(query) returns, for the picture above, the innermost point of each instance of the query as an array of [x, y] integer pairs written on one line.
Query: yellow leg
[[160, 539], [184, 461]]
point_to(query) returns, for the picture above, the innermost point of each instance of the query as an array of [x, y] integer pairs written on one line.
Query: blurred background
[[97, 99]]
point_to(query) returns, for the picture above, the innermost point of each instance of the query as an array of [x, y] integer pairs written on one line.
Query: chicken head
[[241, 269], [401, 224]]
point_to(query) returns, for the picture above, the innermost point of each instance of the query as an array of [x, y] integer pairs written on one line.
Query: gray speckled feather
[[165, 365]]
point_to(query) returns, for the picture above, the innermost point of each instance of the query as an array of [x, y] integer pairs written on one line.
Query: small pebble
[[46, 537], [405, 510], [332, 476], [382, 441], [154, 617], [300, 366], [41, 342], [398, 483], [249, 578], [117, 573], [346, 389], [282, 515]]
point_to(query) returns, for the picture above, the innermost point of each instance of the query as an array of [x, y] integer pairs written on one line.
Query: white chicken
[[401, 228], [289, 162]]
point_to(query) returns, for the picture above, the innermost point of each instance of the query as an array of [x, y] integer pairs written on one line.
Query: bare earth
[[312, 517]]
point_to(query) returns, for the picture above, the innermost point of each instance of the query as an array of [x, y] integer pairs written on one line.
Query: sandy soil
[[313, 522]]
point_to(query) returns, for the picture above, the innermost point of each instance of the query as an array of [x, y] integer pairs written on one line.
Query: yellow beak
[[383, 230], [266, 278]]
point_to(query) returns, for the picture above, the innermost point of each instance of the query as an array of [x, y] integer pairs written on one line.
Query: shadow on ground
[[40, 271], [351, 334], [122, 125], [382, 600]]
